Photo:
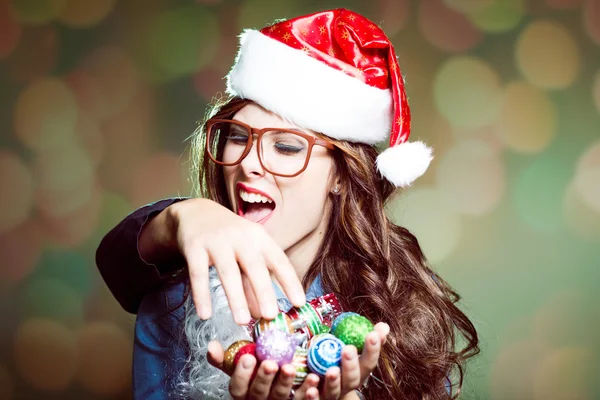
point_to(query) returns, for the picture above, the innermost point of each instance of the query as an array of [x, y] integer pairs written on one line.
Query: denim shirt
[[158, 356]]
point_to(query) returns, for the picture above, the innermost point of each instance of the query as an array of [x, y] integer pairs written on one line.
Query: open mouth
[[253, 204]]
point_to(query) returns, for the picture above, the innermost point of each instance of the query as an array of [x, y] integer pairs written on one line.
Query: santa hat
[[334, 72]]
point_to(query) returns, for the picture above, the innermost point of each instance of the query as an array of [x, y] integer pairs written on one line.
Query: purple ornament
[[277, 346]]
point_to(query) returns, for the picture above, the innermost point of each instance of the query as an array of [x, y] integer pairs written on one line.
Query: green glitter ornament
[[353, 330]]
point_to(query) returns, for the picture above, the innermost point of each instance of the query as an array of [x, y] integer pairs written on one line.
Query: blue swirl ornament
[[324, 352]]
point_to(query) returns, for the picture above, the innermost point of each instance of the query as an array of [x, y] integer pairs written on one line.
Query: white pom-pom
[[403, 163]]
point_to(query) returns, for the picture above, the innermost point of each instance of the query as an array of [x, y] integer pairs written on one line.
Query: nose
[[251, 164]]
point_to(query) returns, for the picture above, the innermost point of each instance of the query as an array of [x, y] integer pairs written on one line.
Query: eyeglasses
[[281, 152]]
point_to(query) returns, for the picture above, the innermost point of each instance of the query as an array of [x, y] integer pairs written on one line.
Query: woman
[[292, 188]]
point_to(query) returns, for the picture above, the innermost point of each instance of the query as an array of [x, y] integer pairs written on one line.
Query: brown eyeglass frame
[[312, 141]]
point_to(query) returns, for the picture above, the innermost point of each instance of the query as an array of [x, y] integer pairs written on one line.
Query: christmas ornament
[[277, 346], [301, 364], [231, 354], [282, 322], [340, 318], [353, 330], [316, 313], [324, 352]]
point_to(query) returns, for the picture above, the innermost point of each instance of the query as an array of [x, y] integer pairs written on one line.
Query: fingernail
[[247, 362], [242, 315], [202, 312], [374, 340]]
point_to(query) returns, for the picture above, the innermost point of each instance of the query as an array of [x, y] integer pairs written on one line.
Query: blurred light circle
[[180, 41], [10, 30], [446, 28], [591, 19], [45, 354], [471, 178], [89, 137], [21, 248], [54, 300], [258, 13], [6, 383], [596, 90], [565, 373], [547, 43], [208, 83], [69, 267], [114, 209], [64, 180], [567, 318], [161, 175], [399, 9], [45, 114], [105, 82], [580, 218], [37, 12], [513, 369], [467, 92], [539, 193], [499, 16], [528, 118], [74, 228], [104, 358], [78, 14], [468, 6], [16, 198], [587, 177], [35, 56], [427, 216], [564, 4]]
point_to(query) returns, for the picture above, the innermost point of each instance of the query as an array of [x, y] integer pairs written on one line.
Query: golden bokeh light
[[45, 354], [467, 92], [37, 12], [423, 211], [104, 354], [471, 177], [513, 369], [565, 374], [79, 14], [10, 30], [587, 177], [580, 218], [45, 114], [21, 249], [528, 118], [468, 6], [446, 28], [64, 180], [548, 43], [499, 16], [161, 175], [89, 137], [16, 198], [400, 9], [591, 19]]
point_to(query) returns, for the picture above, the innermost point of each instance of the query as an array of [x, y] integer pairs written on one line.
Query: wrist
[[157, 240]]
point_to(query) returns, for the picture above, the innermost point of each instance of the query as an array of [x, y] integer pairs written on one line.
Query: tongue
[[257, 211]]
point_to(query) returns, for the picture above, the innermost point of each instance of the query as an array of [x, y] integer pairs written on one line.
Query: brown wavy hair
[[422, 358]]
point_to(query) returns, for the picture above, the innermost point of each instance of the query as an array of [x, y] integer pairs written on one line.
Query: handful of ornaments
[[311, 338]]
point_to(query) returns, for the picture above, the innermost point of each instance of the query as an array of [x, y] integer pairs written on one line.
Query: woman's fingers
[[231, 279], [197, 260], [309, 385], [216, 355], [333, 384], [251, 298], [242, 376], [261, 385], [350, 369], [370, 354], [383, 329], [283, 385]]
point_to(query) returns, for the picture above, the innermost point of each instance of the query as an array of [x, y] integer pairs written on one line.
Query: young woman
[[292, 199]]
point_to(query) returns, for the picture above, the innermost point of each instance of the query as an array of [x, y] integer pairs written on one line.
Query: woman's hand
[[338, 383], [243, 253], [265, 383]]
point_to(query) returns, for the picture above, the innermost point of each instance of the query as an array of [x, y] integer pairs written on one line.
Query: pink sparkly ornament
[[277, 346]]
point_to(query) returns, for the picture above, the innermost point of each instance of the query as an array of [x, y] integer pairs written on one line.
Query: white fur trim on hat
[[403, 163], [308, 92]]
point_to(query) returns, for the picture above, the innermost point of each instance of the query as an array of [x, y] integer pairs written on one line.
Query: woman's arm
[[128, 275]]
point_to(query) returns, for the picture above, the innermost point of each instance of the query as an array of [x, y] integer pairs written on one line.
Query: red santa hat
[[334, 72]]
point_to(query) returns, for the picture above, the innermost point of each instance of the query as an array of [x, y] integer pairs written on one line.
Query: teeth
[[254, 197]]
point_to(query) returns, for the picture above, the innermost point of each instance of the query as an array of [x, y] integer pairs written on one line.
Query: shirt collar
[[315, 290]]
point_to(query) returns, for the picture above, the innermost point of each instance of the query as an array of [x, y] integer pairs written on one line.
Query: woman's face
[[297, 208]]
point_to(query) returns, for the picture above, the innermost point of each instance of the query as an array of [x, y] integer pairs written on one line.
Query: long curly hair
[[430, 338]]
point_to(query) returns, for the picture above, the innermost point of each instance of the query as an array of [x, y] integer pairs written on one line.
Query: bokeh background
[[98, 97]]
